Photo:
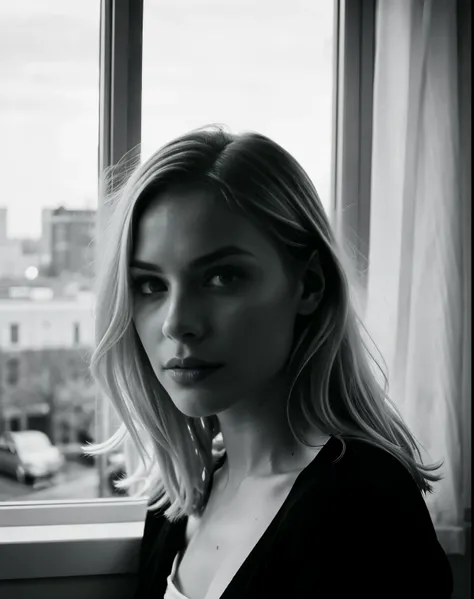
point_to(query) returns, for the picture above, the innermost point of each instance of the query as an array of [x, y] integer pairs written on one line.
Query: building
[[14, 263], [16, 255], [68, 239], [44, 349]]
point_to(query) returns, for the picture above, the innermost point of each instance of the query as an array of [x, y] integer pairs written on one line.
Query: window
[[49, 109], [14, 333], [49, 119], [13, 371]]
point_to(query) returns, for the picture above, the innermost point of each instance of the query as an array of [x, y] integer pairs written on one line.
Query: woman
[[228, 342]]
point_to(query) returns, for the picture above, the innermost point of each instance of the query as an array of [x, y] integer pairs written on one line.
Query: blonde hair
[[334, 383]]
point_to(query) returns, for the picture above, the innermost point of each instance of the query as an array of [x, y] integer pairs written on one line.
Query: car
[[29, 456]]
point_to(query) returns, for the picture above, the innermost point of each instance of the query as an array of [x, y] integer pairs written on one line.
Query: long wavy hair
[[333, 375]]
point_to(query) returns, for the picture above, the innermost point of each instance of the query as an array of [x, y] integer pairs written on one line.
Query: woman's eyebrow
[[224, 252]]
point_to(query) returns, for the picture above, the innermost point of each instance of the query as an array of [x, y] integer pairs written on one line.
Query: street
[[77, 481]]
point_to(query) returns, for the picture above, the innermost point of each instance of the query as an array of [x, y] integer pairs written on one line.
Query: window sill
[[69, 550], [72, 512]]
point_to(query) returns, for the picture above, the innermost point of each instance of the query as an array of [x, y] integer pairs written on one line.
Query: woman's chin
[[194, 405]]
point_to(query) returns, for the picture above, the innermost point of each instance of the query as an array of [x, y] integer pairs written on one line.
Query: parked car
[[29, 456]]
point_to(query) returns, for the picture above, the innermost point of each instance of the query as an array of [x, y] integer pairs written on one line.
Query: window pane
[[49, 97], [265, 66]]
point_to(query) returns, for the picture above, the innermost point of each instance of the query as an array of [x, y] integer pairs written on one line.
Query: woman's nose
[[184, 318]]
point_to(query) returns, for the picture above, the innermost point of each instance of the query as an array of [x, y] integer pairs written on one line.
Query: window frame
[[352, 171], [113, 527]]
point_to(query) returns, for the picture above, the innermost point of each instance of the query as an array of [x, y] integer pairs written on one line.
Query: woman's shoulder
[[359, 479], [367, 493], [372, 522], [373, 489], [353, 481], [364, 464]]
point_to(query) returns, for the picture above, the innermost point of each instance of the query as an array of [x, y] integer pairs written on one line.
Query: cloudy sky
[[264, 66]]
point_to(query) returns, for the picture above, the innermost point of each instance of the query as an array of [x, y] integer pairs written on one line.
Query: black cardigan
[[357, 527]]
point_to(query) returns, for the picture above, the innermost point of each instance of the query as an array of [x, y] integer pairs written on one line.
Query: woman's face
[[208, 284]]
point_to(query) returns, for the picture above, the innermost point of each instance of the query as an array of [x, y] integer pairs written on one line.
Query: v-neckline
[[323, 456]]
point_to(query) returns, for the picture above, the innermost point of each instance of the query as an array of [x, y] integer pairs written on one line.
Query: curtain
[[418, 293]]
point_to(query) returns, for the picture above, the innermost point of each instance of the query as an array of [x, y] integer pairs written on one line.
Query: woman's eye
[[226, 278], [147, 286]]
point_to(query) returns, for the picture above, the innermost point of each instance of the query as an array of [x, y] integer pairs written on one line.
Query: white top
[[171, 591]]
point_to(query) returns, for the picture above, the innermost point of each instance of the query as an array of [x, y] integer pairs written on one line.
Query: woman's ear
[[312, 285]]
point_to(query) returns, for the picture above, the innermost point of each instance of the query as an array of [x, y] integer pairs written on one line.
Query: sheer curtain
[[418, 296]]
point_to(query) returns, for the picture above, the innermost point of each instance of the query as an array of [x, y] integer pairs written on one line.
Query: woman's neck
[[259, 442]]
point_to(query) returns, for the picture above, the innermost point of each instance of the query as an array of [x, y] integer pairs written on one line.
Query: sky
[[264, 66]]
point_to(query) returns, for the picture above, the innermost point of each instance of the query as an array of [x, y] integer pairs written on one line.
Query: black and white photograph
[[235, 299]]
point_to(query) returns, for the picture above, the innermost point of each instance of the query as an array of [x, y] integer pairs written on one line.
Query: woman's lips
[[190, 376]]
